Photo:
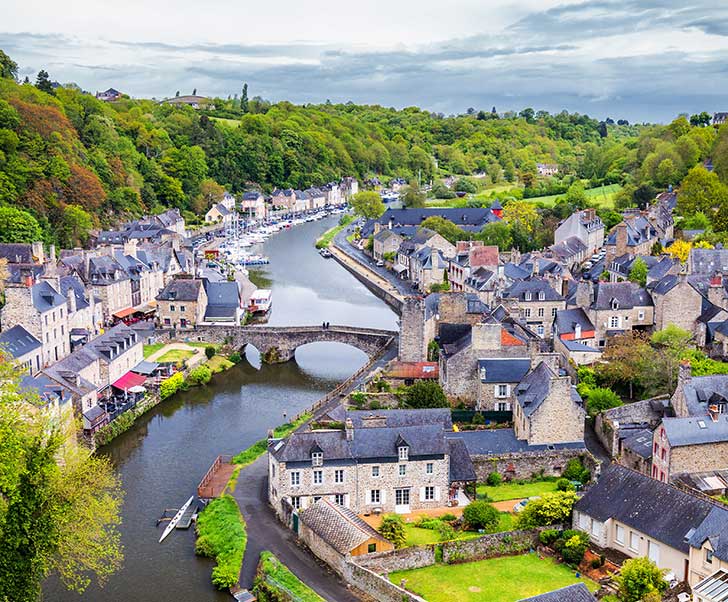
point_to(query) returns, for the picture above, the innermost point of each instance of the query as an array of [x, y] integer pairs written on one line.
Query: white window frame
[[619, 534], [615, 321], [296, 501], [502, 391], [403, 453], [540, 312], [653, 552], [318, 477], [430, 468], [527, 312], [504, 406], [633, 536], [317, 459], [376, 473], [402, 470], [295, 478], [339, 475], [343, 499], [641, 315], [375, 493], [429, 493]]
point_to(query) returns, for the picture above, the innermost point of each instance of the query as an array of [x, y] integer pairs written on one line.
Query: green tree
[[244, 107], [210, 352], [368, 204], [43, 82], [551, 509], [445, 228], [465, 185], [521, 214], [59, 505], [497, 234], [412, 197], [701, 190], [576, 195], [17, 225], [392, 529], [200, 375], [638, 272], [638, 578], [481, 515], [76, 225], [8, 67], [601, 399], [426, 394]]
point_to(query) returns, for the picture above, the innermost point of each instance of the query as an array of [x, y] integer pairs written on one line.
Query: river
[[163, 457]]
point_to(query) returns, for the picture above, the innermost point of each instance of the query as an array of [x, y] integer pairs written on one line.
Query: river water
[[163, 457]]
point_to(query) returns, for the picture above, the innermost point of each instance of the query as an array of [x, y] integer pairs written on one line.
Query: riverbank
[[328, 236]]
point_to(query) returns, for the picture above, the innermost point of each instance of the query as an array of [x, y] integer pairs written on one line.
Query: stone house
[[332, 193], [498, 380], [252, 205], [182, 303], [469, 256], [586, 226], [219, 214], [548, 409], [470, 219], [635, 235], [389, 461], [574, 336], [418, 326], [335, 533], [349, 186], [537, 302], [168, 261], [423, 237], [484, 283], [428, 267], [42, 310], [283, 199], [570, 252], [85, 314], [708, 554], [224, 303], [677, 302], [170, 220], [641, 517], [303, 201], [659, 214], [386, 241], [25, 349], [316, 198]]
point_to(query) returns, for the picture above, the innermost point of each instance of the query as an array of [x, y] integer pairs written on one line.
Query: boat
[[260, 301], [176, 518], [325, 253]]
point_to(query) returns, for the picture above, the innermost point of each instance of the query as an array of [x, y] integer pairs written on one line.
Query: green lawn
[[516, 491], [416, 536], [202, 344], [176, 355], [602, 196], [232, 123], [153, 348], [504, 579], [218, 363]]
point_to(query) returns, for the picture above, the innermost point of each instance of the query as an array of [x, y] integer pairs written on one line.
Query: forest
[[70, 163]]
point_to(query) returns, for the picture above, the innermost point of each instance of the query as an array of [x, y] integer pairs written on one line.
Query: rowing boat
[[175, 519]]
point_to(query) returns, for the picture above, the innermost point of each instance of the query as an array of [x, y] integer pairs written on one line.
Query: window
[[504, 406], [317, 459], [653, 552], [167, 321], [527, 296], [541, 295], [318, 477], [296, 501], [655, 448], [402, 470], [375, 495], [615, 304], [539, 330], [641, 315], [429, 469], [634, 541], [708, 556], [339, 475], [403, 453], [316, 498], [501, 391], [596, 528], [429, 493], [371, 548], [614, 322], [375, 471], [553, 312], [540, 312], [663, 454], [619, 534], [295, 478], [527, 312], [181, 307], [402, 497], [340, 499], [171, 308]]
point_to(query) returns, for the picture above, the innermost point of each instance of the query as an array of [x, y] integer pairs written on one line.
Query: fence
[[204, 489], [468, 415]]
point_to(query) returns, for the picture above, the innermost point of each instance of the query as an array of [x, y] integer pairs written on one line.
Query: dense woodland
[[72, 162]]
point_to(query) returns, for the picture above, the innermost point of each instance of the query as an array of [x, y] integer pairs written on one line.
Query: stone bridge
[[278, 344]]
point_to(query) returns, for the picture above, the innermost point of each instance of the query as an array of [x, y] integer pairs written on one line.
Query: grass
[[505, 579], [233, 123], [328, 236], [251, 454], [174, 356], [218, 363], [221, 535], [602, 196], [273, 574], [203, 345], [516, 491], [417, 536], [153, 348]]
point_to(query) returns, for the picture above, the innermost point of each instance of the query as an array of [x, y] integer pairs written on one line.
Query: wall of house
[[700, 568], [542, 313], [321, 549], [381, 546], [697, 458], [114, 297], [377, 586], [526, 464], [488, 399], [412, 339], [682, 305], [580, 358], [558, 419], [629, 318]]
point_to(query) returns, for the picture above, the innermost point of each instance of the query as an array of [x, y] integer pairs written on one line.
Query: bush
[[448, 518], [170, 386], [392, 528], [210, 352], [221, 535], [200, 375], [564, 485], [494, 479], [638, 578], [445, 531], [596, 563], [235, 357], [478, 420], [574, 548], [576, 471], [426, 394], [550, 509], [358, 398], [548, 536], [481, 515], [600, 399]]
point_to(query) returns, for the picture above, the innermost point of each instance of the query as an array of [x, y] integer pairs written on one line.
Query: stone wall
[[321, 549], [639, 412], [377, 586], [524, 465], [412, 340], [489, 546], [414, 557]]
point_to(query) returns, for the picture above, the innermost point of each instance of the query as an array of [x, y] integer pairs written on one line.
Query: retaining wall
[[525, 465], [377, 586]]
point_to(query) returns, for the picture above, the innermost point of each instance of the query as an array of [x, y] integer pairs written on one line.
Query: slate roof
[[567, 319], [45, 297], [17, 341], [534, 388], [695, 430], [518, 290], [666, 284], [572, 593], [181, 289], [514, 272], [639, 230], [386, 234], [502, 441], [338, 526], [454, 337], [708, 261], [503, 370], [627, 294], [639, 442], [398, 418], [652, 507], [17, 252], [468, 218], [112, 237], [715, 529], [568, 248], [700, 389], [252, 195], [224, 293], [48, 390], [461, 466], [73, 283]]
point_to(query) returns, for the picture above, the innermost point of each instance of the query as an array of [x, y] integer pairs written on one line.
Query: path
[[595, 447]]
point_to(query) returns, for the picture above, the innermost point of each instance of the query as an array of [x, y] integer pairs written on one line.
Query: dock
[[216, 478]]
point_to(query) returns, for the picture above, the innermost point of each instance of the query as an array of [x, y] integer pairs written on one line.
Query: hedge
[[221, 535]]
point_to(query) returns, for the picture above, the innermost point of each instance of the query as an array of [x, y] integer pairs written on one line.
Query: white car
[[522, 504]]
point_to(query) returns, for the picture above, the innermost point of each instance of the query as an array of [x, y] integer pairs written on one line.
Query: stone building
[[585, 225], [498, 380], [418, 323], [471, 256], [386, 242], [635, 235], [548, 408], [574, 336], [423, 238], [388, 461], [537, 302], [25, 350], [182, 303], [676, 302]]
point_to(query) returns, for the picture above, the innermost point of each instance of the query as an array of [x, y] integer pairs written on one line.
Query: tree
[[700, 119], [211, 192], [392, 529], [624, 360], [368, 204], [680, 249], [75, 226], [521, 214], [527, 114], [244, 99], [8, 67], [194, 92], [60, 504], [551, 509], [17, 225], [210, 352], [638, 272], [412, 197], [465, 185], [426, 394], [701, 190], [497, 234], [601, 399], [43, 82], [445, 228], [638, 578], [481, 515], [200, 375], [576, 195]]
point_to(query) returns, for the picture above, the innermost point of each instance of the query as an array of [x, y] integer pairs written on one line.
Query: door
[[295, 523], [402, 501]]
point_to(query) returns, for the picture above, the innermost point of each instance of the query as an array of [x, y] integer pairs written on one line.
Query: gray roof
[[17, 341], [627, 294], [708, 261], [73, 283], [535, 286], [338, 526], [398, 418], [223, 293], [567, 320], [17, 252], [572, 593], [47, 389], [181, 289], [468, 218], [568, 248], [639, 442], [639, 230], [503, 441], [503, 370], [657, 509], [696, 430], [715, 529], [45, 297], [700, 391], [145, 367], [534, 388], [461, 466]]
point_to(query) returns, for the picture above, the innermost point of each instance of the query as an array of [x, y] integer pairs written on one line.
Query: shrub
[[494, 479], [200, 375], [478, 419], [574, 548], [548, 536], [170, 386], [221, 535], [210, 352], [576, 471], [445, 531], [426, 394], [235, 357], [638, 578], [596, 563], [564, 485], [358, 398], [392, 528], [448, 517], [600, 399], [550, 509], [481, 515]]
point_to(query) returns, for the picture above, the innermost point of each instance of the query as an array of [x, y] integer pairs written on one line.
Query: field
[[602, 197], [516, 491], [218, 363], [506, 579], [232, 123], [153, 348]]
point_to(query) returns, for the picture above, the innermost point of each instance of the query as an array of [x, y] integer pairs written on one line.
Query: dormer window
[[615, 304], [403, 453], [317, 458], [527, 296], [541, 295]]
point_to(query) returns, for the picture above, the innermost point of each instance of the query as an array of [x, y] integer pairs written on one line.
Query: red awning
[[124, 313], [129, 380]]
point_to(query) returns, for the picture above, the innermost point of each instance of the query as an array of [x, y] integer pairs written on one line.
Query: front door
[[402, 501]]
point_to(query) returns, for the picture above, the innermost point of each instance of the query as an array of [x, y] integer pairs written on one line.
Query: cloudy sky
[[633, 59]]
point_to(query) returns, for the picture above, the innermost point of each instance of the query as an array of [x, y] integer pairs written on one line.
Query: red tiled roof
[[129, 380], [508, 340], [413, 370], [124, 313], [484, 256]]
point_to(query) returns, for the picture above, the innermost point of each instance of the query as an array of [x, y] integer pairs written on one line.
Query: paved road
[[265, 532], [595, 446]]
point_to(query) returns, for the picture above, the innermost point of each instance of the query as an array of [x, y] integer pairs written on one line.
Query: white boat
[[176, 518], [260, 301]]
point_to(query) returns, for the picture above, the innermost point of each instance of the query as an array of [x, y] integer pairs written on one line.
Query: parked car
[[380, 264], [522, 504]]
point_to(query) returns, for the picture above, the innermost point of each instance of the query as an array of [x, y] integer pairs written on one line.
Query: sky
[[641, 60]]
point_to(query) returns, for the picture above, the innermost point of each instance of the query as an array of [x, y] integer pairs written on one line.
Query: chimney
[[678, 401], [130, 247], [349, 429], [52, 254], [37, 249], [716, 292], [377, 227], [685, 373], [621, 240], [713, 412], [71, 300], [564, 287], [486, 337]]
